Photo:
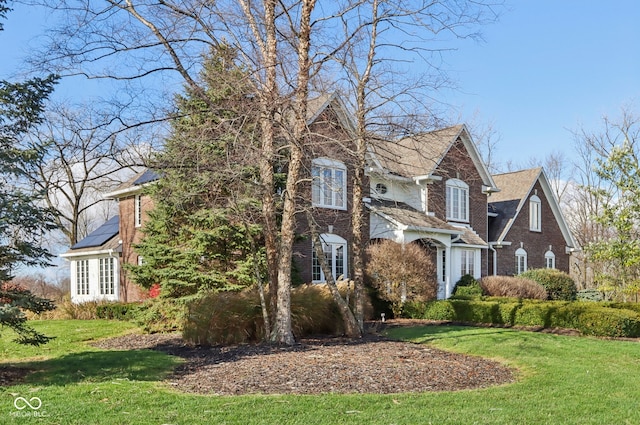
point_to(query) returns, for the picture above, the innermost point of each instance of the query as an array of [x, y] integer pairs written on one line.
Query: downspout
[[495, 259]]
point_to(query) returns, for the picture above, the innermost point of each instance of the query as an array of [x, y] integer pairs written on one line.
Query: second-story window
[[535, 220], [457, 200], [137, 213], [329, 185]]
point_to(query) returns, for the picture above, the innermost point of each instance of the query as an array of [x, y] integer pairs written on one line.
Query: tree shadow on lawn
[[100, 366]]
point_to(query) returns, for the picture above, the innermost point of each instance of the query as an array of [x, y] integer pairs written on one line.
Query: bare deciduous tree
[[289, 47], [83, 156]]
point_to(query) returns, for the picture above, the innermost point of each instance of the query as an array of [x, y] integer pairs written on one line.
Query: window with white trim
[[550, 260], [457, 200], [521, 261], [335, 252], [107, 276], [137, 213], [535, 219], [329, 183], [82, 277], [467, 262]]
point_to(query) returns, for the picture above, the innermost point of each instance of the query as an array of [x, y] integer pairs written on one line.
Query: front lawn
[[562, 380]]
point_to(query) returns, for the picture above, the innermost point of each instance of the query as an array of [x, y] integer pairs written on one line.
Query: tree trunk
[[352, 328]]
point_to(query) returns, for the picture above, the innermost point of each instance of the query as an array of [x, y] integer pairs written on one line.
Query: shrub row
[[588, 318]]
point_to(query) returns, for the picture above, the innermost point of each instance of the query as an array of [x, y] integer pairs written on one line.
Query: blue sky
[[545, 69], [549, 67]]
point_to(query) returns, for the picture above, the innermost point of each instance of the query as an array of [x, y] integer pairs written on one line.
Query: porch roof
[[403, 215]]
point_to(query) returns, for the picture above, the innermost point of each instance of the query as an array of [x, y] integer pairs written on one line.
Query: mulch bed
[[372, 365]]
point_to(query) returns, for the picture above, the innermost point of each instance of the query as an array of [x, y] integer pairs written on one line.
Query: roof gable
[[515, 191], [134, 185], [417, 157]]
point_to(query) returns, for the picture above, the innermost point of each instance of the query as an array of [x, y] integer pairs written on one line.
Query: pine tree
[[23, 221], [204, 229]]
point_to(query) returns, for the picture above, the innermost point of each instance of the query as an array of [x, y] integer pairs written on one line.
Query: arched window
[[521, 261], [329, 185], [535, 220], [457, 200], [335, 252], [550, 260]]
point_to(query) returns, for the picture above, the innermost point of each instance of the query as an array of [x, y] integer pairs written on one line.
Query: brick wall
[[328, 140], [131, 235], [535, 243], [457, 164]]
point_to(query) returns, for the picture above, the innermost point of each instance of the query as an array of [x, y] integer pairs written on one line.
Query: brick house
[[526, 227], [432, 189], [96, 261]]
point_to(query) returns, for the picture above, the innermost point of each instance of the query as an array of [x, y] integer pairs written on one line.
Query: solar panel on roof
[[101, 235], [146, 177]]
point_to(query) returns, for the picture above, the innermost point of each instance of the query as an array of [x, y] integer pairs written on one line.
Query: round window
[[381, 189]]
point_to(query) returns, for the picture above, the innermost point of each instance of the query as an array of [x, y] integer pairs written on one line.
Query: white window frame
[[335, 251], [106, 276], [521, 261], [535, 214], [457, 194], [467, 262], [329, 184], [550, 260], [82, 277], [137, 210]]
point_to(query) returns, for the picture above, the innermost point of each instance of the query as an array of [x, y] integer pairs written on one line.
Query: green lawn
[[562, 380]]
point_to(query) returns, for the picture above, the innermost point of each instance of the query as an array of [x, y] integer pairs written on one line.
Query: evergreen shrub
[[467, 288], [608, 320], [559, 285], [439, 310], [589, 295], [159, 315], [602, 321], [117, 311]]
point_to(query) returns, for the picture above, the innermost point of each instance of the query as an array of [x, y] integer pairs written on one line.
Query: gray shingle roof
[[404, 214], [416, 155]]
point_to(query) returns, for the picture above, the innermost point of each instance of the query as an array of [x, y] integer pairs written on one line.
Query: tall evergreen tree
[[204, 228], [23, 221]]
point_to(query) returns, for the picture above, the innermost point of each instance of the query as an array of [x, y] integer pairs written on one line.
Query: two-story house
[[432, 189], [96, 271]]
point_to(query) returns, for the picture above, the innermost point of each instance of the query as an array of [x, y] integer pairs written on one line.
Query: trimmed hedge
[[587, 317], [117, 311]]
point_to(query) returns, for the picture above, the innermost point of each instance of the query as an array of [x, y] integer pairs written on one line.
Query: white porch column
[[448, 284]]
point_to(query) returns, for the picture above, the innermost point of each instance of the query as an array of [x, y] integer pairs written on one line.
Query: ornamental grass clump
[[235, 317], [512, 287]]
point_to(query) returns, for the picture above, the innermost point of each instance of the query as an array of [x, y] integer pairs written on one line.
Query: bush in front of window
[[559, 285], [467, 287], [512, 287], [401, 273]]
